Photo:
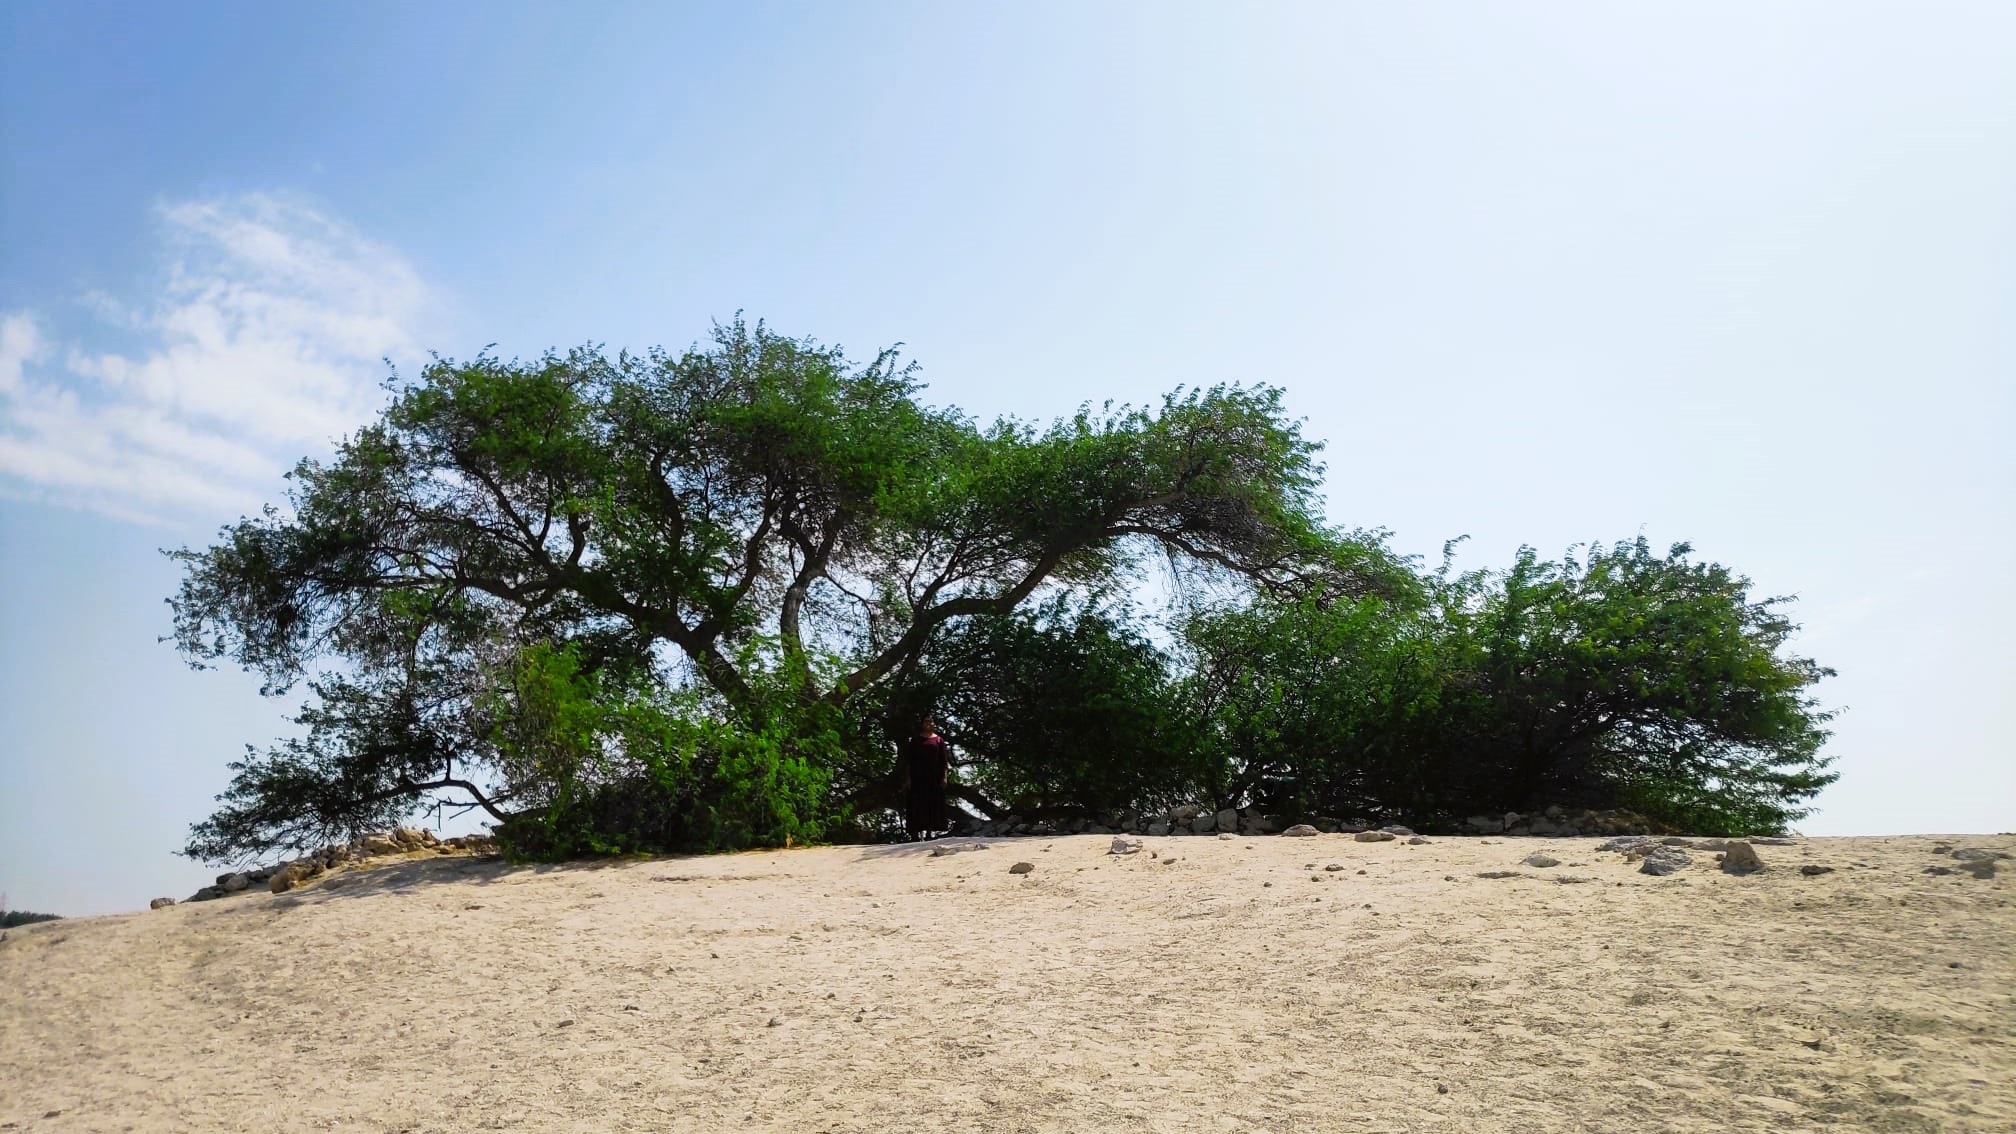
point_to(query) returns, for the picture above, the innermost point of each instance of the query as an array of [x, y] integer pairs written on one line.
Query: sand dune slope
[[869, 989]]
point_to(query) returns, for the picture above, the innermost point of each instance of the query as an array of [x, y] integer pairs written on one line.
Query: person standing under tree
[[926, 763]]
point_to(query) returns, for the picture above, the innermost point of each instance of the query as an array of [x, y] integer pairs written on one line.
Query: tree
[[756, 529], [1061, 709], [1622, 679]]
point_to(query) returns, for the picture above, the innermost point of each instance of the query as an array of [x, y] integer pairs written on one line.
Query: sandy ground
[[883, 989]]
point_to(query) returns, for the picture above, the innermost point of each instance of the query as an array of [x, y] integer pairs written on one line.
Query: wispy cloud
[[265, 343]]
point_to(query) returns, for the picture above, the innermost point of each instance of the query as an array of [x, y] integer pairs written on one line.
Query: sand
[[883, 989]]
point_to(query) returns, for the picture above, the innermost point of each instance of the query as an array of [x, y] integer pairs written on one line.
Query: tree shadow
[[925, 849], [413, 875]]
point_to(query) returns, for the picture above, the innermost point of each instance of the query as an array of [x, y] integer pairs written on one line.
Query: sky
[[1732, 273]]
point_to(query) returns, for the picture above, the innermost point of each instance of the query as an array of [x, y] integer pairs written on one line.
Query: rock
[[1540, 860], [235, 883], [1940, 870], [1124, 845], [288, 877], [954, 848], [1205, 822], [1624, 842], [1159, 828], [1982, 869], [1812, 871], [1500, 874], [1226, 835], [1976, 854], [1417, 841], [1257, 824], [1661, 861], [1374, 836], [1227, 820], [1484, 824], [1300, 831], [1773, 841], [380, 845], [1741, 858], [410, 838], [1184, 813], [1022, 868], [160, 903], [1397, 829], [1334, 867]]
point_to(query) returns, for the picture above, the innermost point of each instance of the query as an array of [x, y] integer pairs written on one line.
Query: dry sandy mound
[[1200, 984]]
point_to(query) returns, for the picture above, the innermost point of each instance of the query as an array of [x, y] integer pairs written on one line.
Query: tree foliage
[[11, 918], [1063, 709], [1622, 678], [746, 536], [687, 601]]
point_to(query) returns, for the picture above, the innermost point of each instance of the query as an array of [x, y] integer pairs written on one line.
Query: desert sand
[[1201, 985]]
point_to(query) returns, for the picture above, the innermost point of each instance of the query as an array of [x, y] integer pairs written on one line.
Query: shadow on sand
[[928, 846], [412, 875]]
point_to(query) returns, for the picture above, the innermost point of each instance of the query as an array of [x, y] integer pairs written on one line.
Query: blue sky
[[1737, 274]]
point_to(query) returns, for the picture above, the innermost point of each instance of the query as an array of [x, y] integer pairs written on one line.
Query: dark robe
[[925, 760]]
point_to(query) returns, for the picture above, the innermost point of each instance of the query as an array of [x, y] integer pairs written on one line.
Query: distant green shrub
[[11, 918]]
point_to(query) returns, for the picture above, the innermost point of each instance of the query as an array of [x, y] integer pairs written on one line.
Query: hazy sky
[[1740, 274]]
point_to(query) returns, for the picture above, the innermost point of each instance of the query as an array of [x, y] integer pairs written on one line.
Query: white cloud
[[265, 344]]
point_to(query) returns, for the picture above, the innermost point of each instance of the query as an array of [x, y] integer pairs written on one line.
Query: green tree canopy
[[756, 528], [1622, 678]]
